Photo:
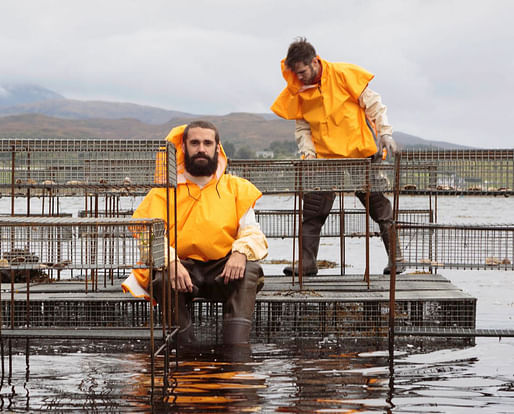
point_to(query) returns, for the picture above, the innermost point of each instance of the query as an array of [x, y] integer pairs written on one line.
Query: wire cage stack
[[457, 172], [459, 246], [281, 223], [294, 176], [97, 165], [36, 247], [32, 245]]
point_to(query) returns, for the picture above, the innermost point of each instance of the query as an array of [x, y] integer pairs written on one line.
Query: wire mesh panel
[[289, 176], [476, 172], [457, 246], [102, 164], [85, 243], [280, 223], [291, 320]]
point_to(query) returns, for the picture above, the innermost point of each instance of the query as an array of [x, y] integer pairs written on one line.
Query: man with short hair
[[337, 116], [219, 240]]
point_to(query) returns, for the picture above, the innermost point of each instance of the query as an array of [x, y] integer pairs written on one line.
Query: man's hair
[[299, 51], [201, 124]]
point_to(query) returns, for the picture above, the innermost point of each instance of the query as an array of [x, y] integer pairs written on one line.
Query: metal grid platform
[[80, 243], [103, 165], [281, 223], [457, 172], [457, 246]]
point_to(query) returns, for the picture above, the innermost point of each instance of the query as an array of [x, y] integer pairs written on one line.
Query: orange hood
[[176, 138]]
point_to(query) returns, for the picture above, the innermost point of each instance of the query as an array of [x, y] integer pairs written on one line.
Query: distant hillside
[[241, 129], [74, 109], [31, 111], [11, 95], [411, 141]]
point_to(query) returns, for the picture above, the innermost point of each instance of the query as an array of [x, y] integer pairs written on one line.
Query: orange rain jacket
[[338, 123], [207, 217]]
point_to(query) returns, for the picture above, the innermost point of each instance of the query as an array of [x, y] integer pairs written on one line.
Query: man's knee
[[254, 276]]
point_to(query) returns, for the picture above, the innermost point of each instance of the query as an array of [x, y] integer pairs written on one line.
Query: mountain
[[75, 109], [241, 129], [411, 141], [30, 111], [11, 95]]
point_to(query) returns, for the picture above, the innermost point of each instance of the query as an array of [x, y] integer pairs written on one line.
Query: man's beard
[[201, 169]]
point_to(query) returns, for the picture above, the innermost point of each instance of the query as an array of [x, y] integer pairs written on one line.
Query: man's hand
[[387, 142], [183, 281], [234, 268]]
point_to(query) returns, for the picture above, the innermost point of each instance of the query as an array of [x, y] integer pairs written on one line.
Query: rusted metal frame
[[295, 195], [392, 252], [299, 174], [367, 189], [342, 238]]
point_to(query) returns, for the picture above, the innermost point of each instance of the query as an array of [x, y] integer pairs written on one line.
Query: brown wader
[[316, 208], [238, 297]]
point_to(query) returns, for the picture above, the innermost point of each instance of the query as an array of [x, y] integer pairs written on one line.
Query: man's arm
[[250, 244], [303, 138], [376, 111]]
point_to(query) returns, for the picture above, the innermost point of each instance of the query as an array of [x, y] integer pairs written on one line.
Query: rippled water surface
[[314, 377]]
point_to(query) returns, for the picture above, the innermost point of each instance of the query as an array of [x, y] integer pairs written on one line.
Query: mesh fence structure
[[281, 223], [292, 176], [457, 172], [37, 243], [463, 246], [289, 320], [99, 165]]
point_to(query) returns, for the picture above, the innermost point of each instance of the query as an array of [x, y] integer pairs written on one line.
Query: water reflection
[[294, 377]]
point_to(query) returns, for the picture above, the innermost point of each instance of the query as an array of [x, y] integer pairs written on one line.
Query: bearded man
[[219, 240]]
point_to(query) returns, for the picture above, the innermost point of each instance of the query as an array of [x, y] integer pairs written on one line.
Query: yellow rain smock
[[337, 121], [207, 218]]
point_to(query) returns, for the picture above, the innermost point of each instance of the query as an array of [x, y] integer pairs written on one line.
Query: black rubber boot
[[400, 268], [236, 331], [381, 212], [316, 208]]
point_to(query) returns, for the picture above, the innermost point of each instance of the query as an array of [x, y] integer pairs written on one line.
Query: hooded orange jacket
[[207, 217], [338, 124]]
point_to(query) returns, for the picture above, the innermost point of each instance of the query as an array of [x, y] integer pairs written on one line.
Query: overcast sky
[[445, 69]]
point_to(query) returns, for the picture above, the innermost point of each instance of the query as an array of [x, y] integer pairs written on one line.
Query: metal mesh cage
[[85, 243], [457, 171], [457, 246], [92, 163], [292, 320], [280, 223], [286, 176]]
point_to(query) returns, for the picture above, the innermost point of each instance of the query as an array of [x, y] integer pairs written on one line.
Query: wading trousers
[[238, 297], [316, 208]]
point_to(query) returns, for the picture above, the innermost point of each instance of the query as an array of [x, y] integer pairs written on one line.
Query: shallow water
[[324, 376]]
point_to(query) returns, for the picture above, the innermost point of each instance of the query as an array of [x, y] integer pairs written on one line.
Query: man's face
[[307, 73], [201, 152]]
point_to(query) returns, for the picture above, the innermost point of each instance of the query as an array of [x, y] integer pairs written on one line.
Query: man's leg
[[316, 208], [240, 303], [381, 212], [185, 333]]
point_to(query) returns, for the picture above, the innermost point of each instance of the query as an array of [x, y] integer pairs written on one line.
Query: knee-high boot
[[381, 212], [239, 306], [316, 208]]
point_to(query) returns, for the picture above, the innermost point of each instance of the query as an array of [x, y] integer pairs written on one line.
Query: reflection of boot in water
[[316, 207], [186, 337]]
